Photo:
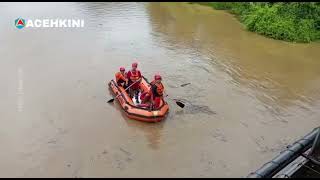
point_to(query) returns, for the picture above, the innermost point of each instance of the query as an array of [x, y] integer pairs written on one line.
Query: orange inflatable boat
[[135, 112]]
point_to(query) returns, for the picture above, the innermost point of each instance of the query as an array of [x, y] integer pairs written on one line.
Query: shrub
[[290, 21]]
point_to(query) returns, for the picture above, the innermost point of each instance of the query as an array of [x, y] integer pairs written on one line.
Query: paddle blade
[[111, 100], [185, 84], [180, 104]]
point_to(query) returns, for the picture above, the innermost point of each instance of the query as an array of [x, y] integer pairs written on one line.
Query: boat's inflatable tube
[[135, 112], [269, 169]]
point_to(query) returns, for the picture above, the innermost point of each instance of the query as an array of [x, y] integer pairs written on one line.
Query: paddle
[[180, 104], [111, 100], [182, 85]]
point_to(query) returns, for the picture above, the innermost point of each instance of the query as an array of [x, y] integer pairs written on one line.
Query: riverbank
[[294, 22]]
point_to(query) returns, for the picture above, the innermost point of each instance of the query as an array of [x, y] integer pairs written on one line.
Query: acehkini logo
[[20, 23], [49, 23]]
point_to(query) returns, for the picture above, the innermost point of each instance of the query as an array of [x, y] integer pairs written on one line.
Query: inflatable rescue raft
[[132, 110]]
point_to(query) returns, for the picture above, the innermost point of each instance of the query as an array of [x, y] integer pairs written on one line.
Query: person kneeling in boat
[[121, 78], [152, 99], [134, 75]]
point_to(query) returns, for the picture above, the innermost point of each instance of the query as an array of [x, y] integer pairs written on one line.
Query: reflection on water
[[244, 92], [278, 71], [152, 131]]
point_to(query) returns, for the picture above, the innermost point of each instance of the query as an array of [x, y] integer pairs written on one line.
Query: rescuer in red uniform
[[155, 95], [121, 77], [133, 76]]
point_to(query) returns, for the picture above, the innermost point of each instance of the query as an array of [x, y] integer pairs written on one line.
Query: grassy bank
[[289, 21]]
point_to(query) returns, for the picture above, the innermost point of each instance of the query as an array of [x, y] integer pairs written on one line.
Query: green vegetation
[[290, 21]]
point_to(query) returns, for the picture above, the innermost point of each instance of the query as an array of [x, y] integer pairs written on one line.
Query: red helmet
[[122, 69], [135, 64], [157, 77]]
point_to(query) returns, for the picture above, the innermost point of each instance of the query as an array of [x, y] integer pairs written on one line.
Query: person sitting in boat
[[133, 76], [157, 90], [152, 99], [145, 98], [121, 78]]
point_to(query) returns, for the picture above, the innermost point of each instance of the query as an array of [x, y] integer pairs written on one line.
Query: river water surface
[[249, 96]]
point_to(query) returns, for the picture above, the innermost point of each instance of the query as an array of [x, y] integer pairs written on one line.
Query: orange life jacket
[[159, 89], [134, 76], [119, 77]]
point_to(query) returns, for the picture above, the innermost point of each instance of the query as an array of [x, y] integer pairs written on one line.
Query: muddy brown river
[[249, 96]]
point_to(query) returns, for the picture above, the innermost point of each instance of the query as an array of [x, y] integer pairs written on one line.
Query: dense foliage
[[290, 21]]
